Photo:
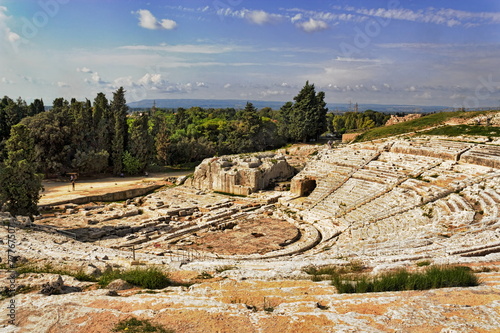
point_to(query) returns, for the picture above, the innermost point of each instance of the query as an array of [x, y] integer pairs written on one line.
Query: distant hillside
[[240, 104], [427, 121]]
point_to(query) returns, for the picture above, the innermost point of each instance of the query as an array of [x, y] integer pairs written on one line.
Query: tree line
[[103, 136], [349, 121]]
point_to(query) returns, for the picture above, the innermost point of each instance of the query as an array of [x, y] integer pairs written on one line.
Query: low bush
[[134, 325]]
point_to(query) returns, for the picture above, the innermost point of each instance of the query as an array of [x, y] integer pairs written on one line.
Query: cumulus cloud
[[62, 84], [151, 79], [312, 25], [95, 78], [7, 33], [227, 85], [148, 21], [261, 17]]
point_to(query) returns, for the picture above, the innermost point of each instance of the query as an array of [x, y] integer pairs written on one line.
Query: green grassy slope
[[427, 121]]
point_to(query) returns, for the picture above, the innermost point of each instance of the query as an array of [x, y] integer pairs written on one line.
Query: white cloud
[[270, 92], [7, 33], [84, 70], [95, 78], [312, 25], [6, 81], [261, 17], [62, 84], [227, 85], [296, 18], [443, 16], [168, 24], [149, 21], [151, 79]]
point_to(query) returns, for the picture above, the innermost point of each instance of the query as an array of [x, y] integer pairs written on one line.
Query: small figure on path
[[72, 178]]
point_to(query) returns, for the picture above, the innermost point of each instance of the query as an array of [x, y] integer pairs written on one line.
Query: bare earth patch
[[250, 236]]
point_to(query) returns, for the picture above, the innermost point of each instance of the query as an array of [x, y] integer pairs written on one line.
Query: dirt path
[[57, 191]]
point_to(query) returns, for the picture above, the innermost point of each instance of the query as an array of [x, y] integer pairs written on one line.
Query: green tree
[[36, 107], [306, 118], [131, 164], [20, 185], [53, 135], [103, 122], [119, 109], [141, 141], [284, 120]]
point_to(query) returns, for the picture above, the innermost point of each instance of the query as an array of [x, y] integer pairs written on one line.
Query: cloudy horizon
[[377, 52]]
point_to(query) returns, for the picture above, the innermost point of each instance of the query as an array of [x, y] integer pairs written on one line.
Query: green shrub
[[134, 325], [423, 263]]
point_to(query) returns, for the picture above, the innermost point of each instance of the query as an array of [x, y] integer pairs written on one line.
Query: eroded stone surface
[[386, 204]]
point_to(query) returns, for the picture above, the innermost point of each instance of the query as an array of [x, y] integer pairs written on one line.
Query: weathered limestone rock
[[56, 287], [396, 120], [119, 284], [241, 175]]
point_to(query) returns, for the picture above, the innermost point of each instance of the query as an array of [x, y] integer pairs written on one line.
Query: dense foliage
[[341, 123], [103, 136]]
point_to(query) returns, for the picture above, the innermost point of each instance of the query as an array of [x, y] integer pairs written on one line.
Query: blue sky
[[387, 52]]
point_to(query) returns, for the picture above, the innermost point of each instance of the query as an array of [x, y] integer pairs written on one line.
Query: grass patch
[[421, 123], [328, 272], [465, 130], [49, 269], [6, 292], [148, 278], [433, 277], [423, 263], [134, 325]]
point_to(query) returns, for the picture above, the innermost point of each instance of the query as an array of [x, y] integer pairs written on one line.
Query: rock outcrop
[[241, 174], [396, 120]]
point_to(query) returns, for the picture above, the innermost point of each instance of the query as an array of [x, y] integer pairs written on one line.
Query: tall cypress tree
[[19, 184], [103, 122], [141, 141], [307, 116], [119, 110]]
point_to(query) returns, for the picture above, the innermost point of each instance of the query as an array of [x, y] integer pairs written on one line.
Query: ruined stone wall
[[241, 174]]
